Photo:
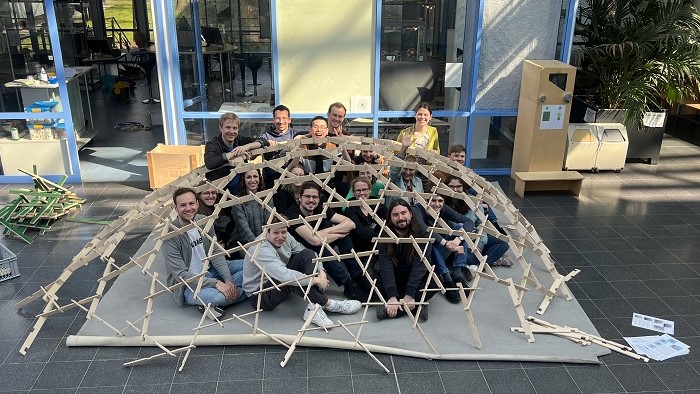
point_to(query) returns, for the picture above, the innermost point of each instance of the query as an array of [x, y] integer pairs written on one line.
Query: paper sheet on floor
[[658, 347], [653, 323]]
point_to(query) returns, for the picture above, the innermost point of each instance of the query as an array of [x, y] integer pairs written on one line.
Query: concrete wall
[[514, 30]]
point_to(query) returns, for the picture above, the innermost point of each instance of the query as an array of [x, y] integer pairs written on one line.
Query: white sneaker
[[347, 307], [320, 319], [473, 268]]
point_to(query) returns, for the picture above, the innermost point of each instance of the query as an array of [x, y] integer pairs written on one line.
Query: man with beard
[[402, 273]]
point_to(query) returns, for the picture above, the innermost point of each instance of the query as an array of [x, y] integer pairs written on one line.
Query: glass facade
[[492, 140], [422, 48], [224, 53]]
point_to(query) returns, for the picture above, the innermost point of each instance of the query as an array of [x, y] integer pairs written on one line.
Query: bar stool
[[148, 65], [254, 63]]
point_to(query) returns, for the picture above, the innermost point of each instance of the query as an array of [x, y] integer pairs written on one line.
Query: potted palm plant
[[633, 57]]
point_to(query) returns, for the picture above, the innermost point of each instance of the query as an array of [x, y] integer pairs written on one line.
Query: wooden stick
[[300, 334]]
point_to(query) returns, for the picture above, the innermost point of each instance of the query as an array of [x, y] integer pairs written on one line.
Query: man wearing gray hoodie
[[184, 254], [285, 260]]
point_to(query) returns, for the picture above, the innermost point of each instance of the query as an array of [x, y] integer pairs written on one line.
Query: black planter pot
[[644, 142]]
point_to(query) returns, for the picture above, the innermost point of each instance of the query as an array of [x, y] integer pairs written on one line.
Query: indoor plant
[[636, 55], [632, 57]]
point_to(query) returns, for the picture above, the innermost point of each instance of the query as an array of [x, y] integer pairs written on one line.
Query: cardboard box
[[169, 162]]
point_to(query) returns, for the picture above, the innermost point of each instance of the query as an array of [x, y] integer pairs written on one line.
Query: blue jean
[[494, 249], [210, 295], [335, 269], [490, 215], [440, 253]]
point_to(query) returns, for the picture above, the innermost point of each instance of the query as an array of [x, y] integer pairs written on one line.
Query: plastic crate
[[8, 264]]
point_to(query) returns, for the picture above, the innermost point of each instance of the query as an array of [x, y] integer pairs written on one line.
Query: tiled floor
[[635, 235]]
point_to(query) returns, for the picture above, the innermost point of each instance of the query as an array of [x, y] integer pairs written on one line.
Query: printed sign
[[552, 117]]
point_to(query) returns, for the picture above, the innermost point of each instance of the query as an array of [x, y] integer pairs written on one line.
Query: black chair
[[148, 63], [254, 63]]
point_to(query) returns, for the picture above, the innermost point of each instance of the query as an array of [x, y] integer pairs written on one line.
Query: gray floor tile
[[464, 381], [101, 390], [199, 369], [329, 363], [508, 381], [594, 379], [106, 373], [242, 367], [617, 307], [552, 380], [189, 388], [241, 387], [359, 364], [637, 377], [19, 376], [331, 384], [375, 384], [296, 366], [599, 290], [427, 382], [41, 350], [449, 366], [63, 374], [148, 389], [286, 385], [155, 372], [412, 364], [677, 376]]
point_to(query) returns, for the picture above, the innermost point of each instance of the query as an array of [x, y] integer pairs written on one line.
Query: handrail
[[122, 38]]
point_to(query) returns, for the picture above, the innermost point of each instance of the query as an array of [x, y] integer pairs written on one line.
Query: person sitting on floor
[[494, 248], [287, 195], [207, 199], [447, 244], [375, 187], [317, 164], [227, 146], [402, 273], [405, 178], [332, 231], [366, 227], [184, 257], [249, 216], [458, 154], [284, 260], [279, 133]]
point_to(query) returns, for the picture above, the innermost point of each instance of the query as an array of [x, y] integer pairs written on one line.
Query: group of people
[[286, 253]]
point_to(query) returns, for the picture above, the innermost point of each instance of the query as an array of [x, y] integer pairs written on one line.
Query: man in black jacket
[[227, 146], [402, 273]]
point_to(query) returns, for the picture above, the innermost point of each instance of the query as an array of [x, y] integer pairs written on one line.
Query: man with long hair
[[402, 273]]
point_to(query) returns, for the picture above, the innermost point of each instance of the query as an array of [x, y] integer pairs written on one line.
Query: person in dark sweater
[[227, 146], [366, 227], [489, 245], [402, 273], [207, 198], [249, 216], [333, 231], [287, 195]]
